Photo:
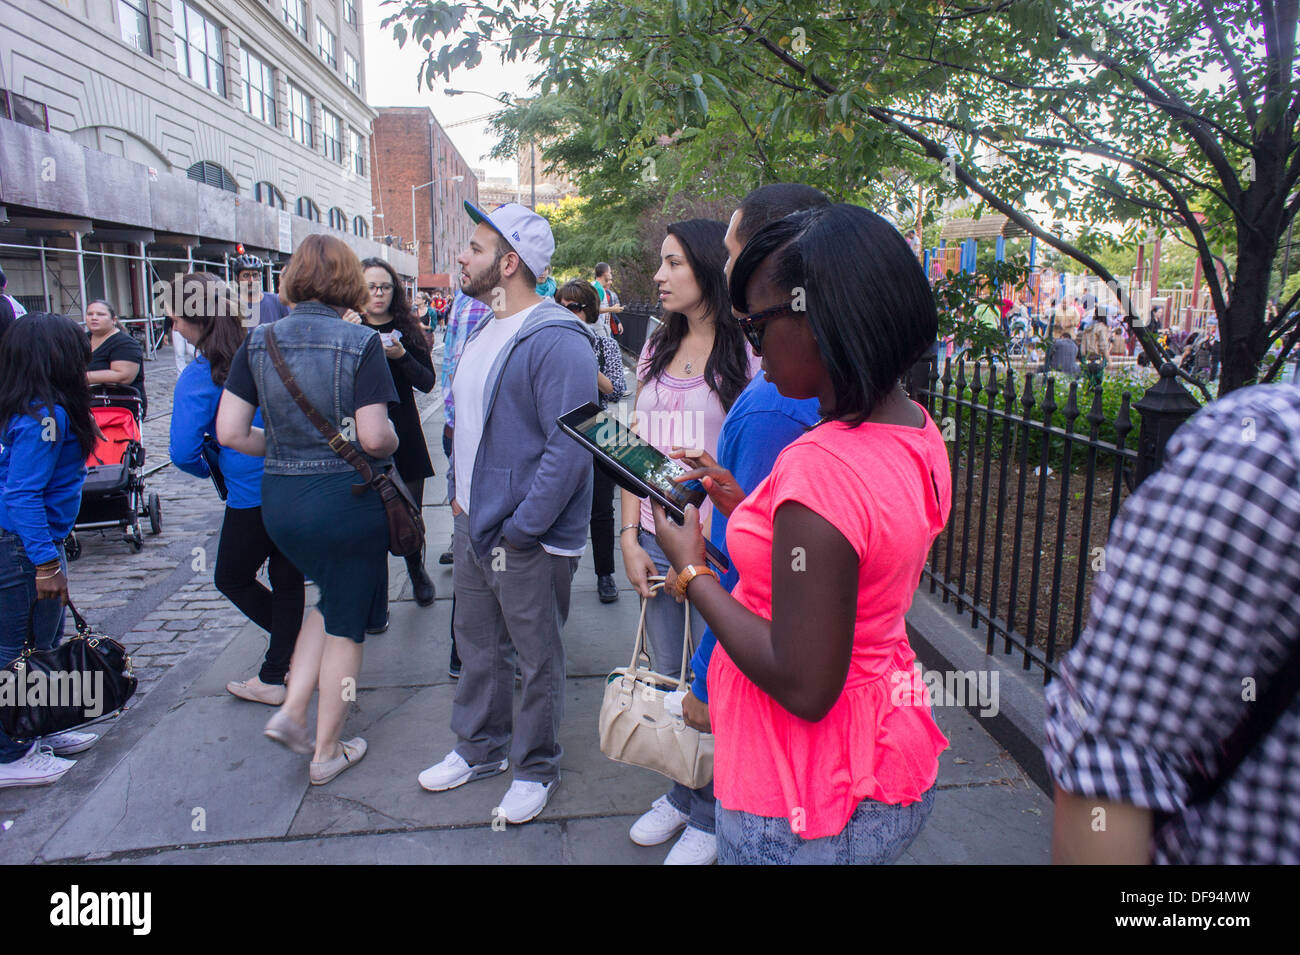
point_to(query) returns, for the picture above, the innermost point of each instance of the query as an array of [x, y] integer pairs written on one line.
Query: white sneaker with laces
[[39, 767], [695, 847], [453, 771], [524, 800], [660, 824], [69, 742]]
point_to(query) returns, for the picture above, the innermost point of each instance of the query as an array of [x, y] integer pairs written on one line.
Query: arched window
[[266, 193], [360, 228], [213, 175], [338, 219], [308, 209]]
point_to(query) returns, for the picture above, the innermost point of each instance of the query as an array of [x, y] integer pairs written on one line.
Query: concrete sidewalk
[[186, 776]]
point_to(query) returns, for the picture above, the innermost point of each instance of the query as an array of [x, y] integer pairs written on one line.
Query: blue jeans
[[18, 603], [664, 622], [876, 834]]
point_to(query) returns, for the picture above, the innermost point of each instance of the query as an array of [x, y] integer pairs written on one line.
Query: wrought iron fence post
[[1164, 408]]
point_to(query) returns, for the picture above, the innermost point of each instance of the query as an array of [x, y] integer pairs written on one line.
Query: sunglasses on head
[[575, 308], [752, 325]]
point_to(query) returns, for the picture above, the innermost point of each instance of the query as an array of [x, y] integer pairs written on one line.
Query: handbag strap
[[1275, 699], [338, 444], [657, 584], [29, 642]]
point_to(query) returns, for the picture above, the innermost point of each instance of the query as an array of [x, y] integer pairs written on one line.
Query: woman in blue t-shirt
[[216, 331], [46, 433]]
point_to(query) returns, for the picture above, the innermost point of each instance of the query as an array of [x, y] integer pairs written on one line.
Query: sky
[[391, 81]]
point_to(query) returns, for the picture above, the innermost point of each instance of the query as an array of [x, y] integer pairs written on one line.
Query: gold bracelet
[[51, 577]]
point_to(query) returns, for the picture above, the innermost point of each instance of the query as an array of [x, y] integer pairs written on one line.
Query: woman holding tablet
[[816, 760]]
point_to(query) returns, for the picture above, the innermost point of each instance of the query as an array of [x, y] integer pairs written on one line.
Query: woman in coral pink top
[[818, 756]]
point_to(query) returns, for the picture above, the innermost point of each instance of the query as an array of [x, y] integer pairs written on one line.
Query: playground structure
[[958, 248]]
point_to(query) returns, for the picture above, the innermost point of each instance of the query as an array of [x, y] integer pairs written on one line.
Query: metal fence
[[1036, 486]]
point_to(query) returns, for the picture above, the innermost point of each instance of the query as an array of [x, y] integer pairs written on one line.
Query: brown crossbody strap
[[338, 444]]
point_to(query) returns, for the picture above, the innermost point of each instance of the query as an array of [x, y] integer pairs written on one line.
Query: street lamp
[[415, 232], [504, 99]]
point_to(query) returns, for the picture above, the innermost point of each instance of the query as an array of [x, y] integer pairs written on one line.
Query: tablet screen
[[644, 460]]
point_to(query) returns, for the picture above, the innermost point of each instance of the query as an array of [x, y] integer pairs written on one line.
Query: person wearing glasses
[[580, 298], [411, 364], [690, 373], [818, 756]]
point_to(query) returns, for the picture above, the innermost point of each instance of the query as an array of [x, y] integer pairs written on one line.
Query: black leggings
[[244, 547], [602, 521]]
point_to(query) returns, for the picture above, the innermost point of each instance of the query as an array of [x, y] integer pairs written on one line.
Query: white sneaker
[[660, 824], [39, 767], [70, 742], [695, 847], [525, 800], [453, 771]]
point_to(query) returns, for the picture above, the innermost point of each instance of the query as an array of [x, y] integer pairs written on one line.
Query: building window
[[338, 219], [259, 87], [325, 45], [332, 136], [20, 109], [134, 18], [295, 15], [198, 47], [360, 228], [300, 116], [213, 175], [308, 209], [267, 194], [350, 12], [352, 71], [358, 152]]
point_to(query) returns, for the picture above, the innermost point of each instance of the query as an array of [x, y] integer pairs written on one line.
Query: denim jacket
[[323, 352]]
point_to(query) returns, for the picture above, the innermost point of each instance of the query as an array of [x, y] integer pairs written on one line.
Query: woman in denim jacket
[[335, 537]]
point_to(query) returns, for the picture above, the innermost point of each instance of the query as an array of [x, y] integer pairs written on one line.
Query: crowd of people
[[786, 332]]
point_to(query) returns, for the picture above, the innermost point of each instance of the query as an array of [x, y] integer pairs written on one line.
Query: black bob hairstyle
[[868, 302]]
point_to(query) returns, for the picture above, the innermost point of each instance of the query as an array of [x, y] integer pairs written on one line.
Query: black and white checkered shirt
[[1198, 604]]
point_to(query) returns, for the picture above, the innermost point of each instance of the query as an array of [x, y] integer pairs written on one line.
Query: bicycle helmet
[[248, 263]]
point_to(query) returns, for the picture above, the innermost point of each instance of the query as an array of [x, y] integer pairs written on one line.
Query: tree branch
[[1234, 62]]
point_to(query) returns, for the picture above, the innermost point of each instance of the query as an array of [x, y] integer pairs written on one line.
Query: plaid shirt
[[1197, 606], [465, 314]]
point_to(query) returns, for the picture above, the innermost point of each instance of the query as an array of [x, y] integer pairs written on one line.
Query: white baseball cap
[[524, 230]]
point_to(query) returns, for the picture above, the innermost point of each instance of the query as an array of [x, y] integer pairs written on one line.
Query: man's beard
[[485, 281]]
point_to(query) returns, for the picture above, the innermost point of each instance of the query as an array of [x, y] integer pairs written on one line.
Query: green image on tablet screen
[[642, 459]]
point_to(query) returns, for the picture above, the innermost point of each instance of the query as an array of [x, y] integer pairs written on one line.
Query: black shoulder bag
[[85, 679]]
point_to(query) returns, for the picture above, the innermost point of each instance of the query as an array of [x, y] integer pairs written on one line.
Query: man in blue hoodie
[[521, 497]]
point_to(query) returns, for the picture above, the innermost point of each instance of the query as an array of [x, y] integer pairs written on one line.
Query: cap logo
[[516, 236]]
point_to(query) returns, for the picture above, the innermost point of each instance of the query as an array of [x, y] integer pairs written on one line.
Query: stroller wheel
[[72, 547], [155, 514]]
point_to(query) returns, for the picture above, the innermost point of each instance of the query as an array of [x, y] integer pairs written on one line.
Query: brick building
[[410, 149]]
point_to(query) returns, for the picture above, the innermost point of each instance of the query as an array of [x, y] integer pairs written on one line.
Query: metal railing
[[1023, 470]]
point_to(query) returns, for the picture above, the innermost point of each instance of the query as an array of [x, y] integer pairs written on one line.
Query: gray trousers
[[512, 605]]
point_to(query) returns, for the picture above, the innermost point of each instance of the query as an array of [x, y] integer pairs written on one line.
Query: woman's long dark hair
[[213, 304], [43, 361], [868, 301], [727, 370], [399, 309]]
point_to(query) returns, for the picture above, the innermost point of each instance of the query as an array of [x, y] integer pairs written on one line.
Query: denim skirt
[[337, 539]]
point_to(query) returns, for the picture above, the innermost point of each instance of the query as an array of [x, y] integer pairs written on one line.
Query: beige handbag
[[637, 730]]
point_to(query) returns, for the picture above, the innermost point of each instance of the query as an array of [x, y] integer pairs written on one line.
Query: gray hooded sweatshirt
[[532, 482]]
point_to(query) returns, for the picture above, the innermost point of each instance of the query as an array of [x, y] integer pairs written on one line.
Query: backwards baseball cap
[[524, 231]]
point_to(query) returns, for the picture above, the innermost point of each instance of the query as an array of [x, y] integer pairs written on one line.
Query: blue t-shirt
[[757, 428], [42, 469], [194, 414]]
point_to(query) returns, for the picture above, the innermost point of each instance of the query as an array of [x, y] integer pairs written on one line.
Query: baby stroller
[[114, 494]]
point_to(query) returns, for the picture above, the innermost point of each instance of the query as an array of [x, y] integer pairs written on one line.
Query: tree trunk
[[1241, 327]]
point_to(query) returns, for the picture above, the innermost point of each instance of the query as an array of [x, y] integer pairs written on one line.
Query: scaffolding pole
[[45, 279], [81, 271]]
